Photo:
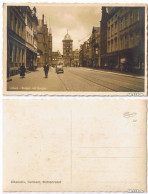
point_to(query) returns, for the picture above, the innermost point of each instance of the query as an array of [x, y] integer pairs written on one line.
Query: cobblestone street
[[77, 79]]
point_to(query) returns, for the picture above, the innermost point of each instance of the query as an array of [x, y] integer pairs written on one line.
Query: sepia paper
[[90, 80], [74, 145]]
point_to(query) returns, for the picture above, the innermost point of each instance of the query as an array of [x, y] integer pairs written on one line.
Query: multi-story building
[[81, 55], [125, 38], [56, 58], [75, 61], [50, 46], [95, 47], [35, 39], [85, 54], [67, 50], [44, 43], [126, 35], [31, 38], [103, 37], [90, 50], [16, 35]]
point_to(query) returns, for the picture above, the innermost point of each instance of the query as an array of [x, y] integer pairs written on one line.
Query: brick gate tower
[[67, 50]]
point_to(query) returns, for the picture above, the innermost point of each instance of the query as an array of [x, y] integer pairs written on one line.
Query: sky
[[78, 20]]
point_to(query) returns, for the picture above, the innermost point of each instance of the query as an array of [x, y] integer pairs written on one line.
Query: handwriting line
[[111, 157]]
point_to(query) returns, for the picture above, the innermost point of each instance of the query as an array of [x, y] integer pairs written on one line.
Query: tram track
[[68, 88], [89, 78], [117, 78]]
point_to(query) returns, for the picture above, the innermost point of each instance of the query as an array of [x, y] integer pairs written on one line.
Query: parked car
[[59, 68]]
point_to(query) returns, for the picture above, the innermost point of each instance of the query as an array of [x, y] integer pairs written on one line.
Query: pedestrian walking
[[46, 69], [22, 71]]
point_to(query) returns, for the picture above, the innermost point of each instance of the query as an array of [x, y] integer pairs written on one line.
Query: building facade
[[125, 39], [16, 39], [95, 47], [85, 54], [75, 61], [31, 38], [44, 43], [81, 55], [67, 50], [50, 46], [103, 37], [56, 58], [90, 50]]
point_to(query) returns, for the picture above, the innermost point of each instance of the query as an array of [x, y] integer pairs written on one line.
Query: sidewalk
[[36, 81], [18, 75]]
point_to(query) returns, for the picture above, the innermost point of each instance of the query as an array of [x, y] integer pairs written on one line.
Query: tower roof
[[67, 37]]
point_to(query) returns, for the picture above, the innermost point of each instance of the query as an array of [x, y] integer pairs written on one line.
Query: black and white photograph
[[76, 48]]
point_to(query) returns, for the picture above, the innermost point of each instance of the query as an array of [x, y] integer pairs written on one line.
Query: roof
[[96, 29], [67, 37], [55, 53]]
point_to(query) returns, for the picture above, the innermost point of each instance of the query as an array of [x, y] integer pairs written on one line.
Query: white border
[[47, 97]]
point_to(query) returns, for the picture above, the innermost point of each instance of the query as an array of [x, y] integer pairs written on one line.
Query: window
[[126, 41], [115, 43], [28, 22], [19, 57], [131, 18], [126, 20], [121, 43], [96, 51], [138, 15], [11, 21], [108, 46], [22, 29], [18, 30], [121, 24], [137, 37], [27, 36], [112, 30], [11, 52], [131, 40], [116, 27], [108, 32], [112, 45], [15, 54], [15, 24], [23, 55]]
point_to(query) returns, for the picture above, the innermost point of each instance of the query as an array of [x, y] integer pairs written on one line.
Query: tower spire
[[50, 30]]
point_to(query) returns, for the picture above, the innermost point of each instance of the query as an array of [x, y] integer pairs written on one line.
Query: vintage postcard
[[75, 49], [74, 145]]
